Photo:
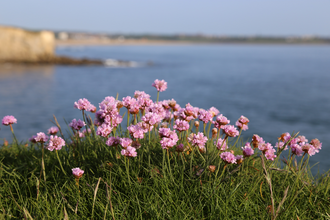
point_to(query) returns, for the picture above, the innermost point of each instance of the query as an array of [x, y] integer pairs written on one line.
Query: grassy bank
[[156, 170]]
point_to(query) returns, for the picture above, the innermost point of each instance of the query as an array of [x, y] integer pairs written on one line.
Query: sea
[[279, 88]]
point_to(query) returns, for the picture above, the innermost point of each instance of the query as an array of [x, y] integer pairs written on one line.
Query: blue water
[[282, 88]]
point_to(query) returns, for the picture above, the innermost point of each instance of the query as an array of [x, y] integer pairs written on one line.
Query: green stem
[[240, 132], [12, 131], [127, 117], [157, 96], [127, 171], [42, 161], [208, 130], [60, 162]]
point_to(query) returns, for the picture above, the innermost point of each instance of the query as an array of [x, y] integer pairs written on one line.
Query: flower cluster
[[76, 125], [198, 140], [129, 152], [84, 104], [299, 145], [8, 120], [55, 143], [169, 138], [174, 126], [181, 125], [53, 130], [160, 85]]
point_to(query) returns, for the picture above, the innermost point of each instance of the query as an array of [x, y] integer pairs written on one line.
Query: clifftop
[[23, 45]]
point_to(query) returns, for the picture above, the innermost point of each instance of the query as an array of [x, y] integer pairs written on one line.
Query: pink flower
[[53, 130], [165, 104], [141, 94], [198, 139], [214, 111], [230, 130], [144, 126], [189, 113], [8, 120], [158, 109], [164, 132], [55, 143], [309, 149], [144, 102], [280, 145], [77, 172], [169, 138], [296, 149], [151, 118], [167, 143], [244, 127], [222, 145], [76, 125], [113, 120], [316, 144], [221, 121], [228, 157], [32, 139], [84, 104], [243, 120], [134, 108], [161, 86], [264, 147], [301, 140], [104, 130], [136, 131], [247, 150], [41, 137], [257, 140], [285, 137], [113, 141], [205, 116], [181, 125], [269, 154], [126, 142], [108, 107], [129, 152]]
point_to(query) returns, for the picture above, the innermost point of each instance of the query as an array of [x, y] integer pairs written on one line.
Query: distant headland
[[85, 38]]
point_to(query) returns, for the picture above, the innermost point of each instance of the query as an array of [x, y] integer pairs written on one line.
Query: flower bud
[[164, 125], [214, 132], [211, 168], [77, 172], [196, 124], [119, 105], [172, 103]]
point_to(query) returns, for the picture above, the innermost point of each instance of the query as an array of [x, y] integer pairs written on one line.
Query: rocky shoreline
[[69, 61]]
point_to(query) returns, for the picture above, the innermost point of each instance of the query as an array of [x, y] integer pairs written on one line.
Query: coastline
[[147, 42], [130, 42]]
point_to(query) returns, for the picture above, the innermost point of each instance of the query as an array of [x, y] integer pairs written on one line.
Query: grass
[[157, 184]]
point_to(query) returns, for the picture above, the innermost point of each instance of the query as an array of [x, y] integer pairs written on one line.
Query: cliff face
[[21, 45]]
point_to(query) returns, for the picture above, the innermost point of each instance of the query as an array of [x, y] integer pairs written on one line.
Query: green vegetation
[[157, 184], [157, 170]]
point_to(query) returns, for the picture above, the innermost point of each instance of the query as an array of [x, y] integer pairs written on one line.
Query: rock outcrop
[[19, 46], [22, 45]]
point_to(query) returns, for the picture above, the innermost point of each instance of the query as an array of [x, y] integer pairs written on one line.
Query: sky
[[212, 17]]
